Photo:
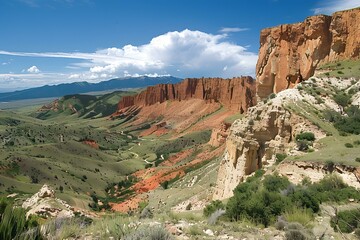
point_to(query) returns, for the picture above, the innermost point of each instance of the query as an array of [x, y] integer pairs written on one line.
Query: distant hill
[[84, 105], [84, 87]]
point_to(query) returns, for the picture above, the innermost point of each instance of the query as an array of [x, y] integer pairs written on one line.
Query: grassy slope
[[36, 155], [332, 147], [343, 69]]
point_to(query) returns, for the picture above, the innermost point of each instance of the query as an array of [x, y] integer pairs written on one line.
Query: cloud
[[331, 6], [184, 54], [33, 69], [232, 30]]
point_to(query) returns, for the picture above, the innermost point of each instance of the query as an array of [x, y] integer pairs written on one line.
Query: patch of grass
[[344, 69], [231, 119], [332, 147], [301, 215]]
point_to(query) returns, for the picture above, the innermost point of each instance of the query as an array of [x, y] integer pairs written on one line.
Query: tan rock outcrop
[[252, 142], [237, 94], [44, 204], [219, 134], [290, 53], [296, 171]]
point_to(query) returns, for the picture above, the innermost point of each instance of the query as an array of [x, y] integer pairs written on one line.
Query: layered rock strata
[[236, 94], [290, 53]]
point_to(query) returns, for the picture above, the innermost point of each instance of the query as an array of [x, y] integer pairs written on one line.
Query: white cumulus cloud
[[184, 53], [33, 69], [331, 6], [193, 53]]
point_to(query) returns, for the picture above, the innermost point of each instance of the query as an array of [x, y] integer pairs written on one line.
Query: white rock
[[208, 232]]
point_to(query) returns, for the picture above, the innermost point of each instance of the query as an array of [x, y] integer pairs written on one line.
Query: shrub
[[275, 183], [306, 181], [150, 233], [306, 199], [280, 157], [165, 184], [349, 145], [329, 165], [333, 188], [280, 223], [357, 159], [342, 99], [146, 213], [295, 231], [213, 207], [308, 136], [302, 145], [272, 96], [257, 204], [346, 221], [188, 207]]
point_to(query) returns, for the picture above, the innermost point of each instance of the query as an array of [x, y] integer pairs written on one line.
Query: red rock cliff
[[290, 53], [237, 94]]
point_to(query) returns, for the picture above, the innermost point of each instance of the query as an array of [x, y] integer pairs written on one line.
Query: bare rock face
[[296, 171], [237, 94], [219, 134], [252, 142], [290, 53], [44, 204]]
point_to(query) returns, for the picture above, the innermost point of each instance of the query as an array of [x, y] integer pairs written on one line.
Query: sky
[[58, 41]]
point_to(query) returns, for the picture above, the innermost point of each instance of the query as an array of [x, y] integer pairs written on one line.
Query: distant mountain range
[[85, 87]]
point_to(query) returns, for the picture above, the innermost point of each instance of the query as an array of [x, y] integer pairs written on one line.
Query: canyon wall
[[290, 53], [237, 94]]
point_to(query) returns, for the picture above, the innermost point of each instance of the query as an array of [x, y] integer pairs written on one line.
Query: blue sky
[[55, 41]]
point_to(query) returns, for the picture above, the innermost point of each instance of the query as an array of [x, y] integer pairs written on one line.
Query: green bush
[[305, 199], [273, 95], [308, 136], [262, 201], [357, 159], [349, 145], [302, 145], [280, 157], [274, 183], [258, 204], [332, 188], [212, 207], [342, 99], [346, 221]]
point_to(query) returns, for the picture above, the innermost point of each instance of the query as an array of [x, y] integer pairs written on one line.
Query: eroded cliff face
[[237, 94], [251, 144], [290, 53]]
